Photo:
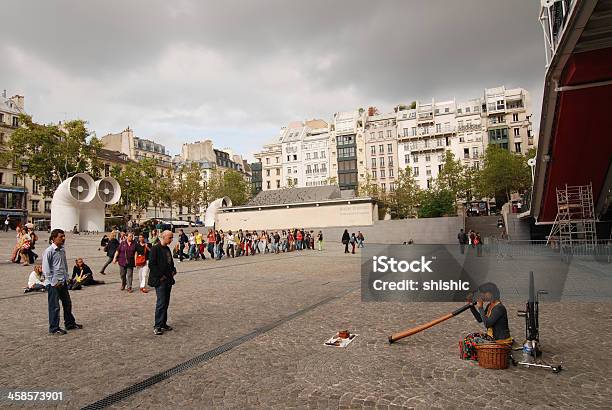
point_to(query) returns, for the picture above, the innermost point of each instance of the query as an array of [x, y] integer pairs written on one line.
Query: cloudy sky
[[236, 71]]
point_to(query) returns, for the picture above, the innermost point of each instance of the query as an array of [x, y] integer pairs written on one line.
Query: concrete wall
[[355, 214], [421, 231]]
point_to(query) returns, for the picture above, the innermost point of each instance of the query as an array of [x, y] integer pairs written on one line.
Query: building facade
[[315, 149], [347, 149], [381, 150], [137, 148]]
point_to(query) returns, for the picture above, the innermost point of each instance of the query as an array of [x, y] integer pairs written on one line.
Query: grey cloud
[[190, 69]]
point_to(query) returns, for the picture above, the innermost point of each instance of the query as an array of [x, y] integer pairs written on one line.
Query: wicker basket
[[493, 355]]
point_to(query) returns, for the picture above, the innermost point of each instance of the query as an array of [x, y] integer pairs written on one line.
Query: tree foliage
[[53, 152], [403, 201], [231, 184], [138, 181], [503, 172], [436, 202], [190, 190]]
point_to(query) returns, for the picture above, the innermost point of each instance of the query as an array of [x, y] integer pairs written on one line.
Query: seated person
[[494, 317], [82, 276], [36, 281]]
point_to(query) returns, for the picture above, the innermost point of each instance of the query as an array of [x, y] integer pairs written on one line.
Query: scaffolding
[[574, 226]]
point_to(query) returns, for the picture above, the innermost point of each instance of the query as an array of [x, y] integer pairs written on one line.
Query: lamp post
[[24, 169]]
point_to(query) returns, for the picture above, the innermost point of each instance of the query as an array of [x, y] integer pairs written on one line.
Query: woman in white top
[[36, 281]]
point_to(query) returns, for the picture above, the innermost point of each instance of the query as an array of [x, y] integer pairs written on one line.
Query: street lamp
[[24, 169]]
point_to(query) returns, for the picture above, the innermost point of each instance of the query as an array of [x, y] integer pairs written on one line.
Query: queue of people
[[231, 244]]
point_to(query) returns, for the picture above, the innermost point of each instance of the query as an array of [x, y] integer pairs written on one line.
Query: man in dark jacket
[[183, 240], [161, 277]]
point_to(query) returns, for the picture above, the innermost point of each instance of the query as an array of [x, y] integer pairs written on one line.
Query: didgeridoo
[[397, 336]]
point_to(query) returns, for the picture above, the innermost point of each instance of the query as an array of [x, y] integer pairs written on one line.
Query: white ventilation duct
[[213, 207], [108, 192], [73, 191], [79, 201]]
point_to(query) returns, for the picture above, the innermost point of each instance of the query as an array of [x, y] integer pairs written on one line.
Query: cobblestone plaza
[[249, 332]]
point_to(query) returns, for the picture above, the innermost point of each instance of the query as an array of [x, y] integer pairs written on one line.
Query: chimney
[[18, 100]]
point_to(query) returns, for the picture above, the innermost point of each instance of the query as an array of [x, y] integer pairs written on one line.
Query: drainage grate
[[204, 357]]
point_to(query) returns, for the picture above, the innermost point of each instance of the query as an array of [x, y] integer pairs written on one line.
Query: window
[[1, 117], [346, 152], [440, 166], [517, 132], [374, 174], [390, 161], [383, 186], [316, 168], [415, 158], [391, 187], [1, 177], [446, 109], [459, 111], [308, 155], [288, 158], [440, 142], [349, 165], [380, 134], [15, 121], [277, 183], [373, 149], [381, 149], [35, 206], [415, 171], [428, 183], [474, 152], [426, 143], [373, 162], [517, 147], [427, 158], [382, 161], [267, 172], [267, 184], [466, 153], [405, 132], [308, 169], [407, 159], [467, 109], [438, 127], [47, 206], [295, 157], [35, 187], [322, 154], [515, 117], [382, 173], [277, 159], [372, 135], [15, 180], [106, 170], [414, 131], [390, 172], [267, 160], [428, 171], [389, 148], [500, 104], [277, 171], [315, 155], [388, 133], [498, 134], [323, 167], [346, 140]]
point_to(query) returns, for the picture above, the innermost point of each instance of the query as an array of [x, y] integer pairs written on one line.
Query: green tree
[[436, 202], [165, 190], [190, 187], [370, 189], [138, 193], [53, 152], [454, 177], [403, 200], [503, 172], [231, 184]]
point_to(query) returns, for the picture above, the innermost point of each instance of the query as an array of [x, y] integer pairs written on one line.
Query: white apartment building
[[315, 151], [271, 164], [465, 128], [291, 151], [381, 150]]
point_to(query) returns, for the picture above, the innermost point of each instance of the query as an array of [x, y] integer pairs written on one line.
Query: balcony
[[554, 18], [469, 127]]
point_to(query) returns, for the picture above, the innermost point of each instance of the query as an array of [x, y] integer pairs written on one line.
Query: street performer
[[494, 317]]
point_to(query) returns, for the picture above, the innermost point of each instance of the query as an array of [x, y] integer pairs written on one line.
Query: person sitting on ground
[[36, 281], [26, 243], [82, 276], [493, 316]]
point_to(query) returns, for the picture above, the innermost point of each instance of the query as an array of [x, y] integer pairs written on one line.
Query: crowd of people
[[470, 238]]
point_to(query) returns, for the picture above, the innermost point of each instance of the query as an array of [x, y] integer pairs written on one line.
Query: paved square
[[294, 301]]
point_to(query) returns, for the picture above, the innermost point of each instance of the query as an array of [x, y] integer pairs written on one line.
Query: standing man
[[161, 277], [463, 240], [55, 269], [6, 224]]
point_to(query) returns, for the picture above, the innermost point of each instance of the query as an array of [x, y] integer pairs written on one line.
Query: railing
[[553, 17], [602, 249]]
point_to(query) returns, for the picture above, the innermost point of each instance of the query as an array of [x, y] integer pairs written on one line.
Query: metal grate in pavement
[[204, 357]]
